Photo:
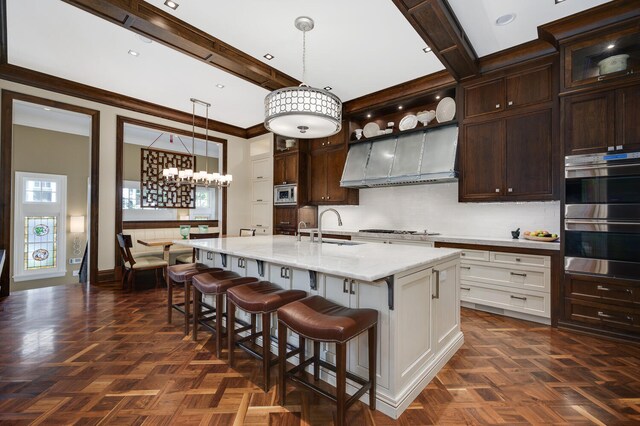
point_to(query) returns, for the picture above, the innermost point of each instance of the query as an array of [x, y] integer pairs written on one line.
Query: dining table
[[165, 243]]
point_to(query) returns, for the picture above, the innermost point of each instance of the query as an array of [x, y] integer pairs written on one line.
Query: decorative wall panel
[[155, 191]]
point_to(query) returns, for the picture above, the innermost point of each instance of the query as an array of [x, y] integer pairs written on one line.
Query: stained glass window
[[40, 191], [40, 242]]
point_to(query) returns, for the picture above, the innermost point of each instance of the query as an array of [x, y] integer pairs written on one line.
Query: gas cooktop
[[396, 231]]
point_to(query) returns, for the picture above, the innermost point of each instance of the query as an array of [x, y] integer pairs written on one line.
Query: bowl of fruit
[[540, 236]]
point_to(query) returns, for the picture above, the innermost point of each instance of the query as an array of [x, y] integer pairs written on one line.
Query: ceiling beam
[[434, 21], [162, 27]]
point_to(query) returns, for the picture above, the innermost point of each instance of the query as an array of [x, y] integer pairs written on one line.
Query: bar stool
[[262, 298], [321, 320], [182, 274], [214, 284]]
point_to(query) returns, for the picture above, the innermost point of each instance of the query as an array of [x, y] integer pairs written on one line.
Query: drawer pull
[[351, 283], [344, 286], [517, 259], [465, 267], [625, 317], [465, 288], [463, 254], [518, 297], [603, 288], [518, 274], [285, 223]]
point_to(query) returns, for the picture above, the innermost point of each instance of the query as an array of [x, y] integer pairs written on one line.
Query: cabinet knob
[[510, 103], [497, 189], [322, 198], [327, 197], [510, 190], [322, 143], [329, 143], [497, 106]]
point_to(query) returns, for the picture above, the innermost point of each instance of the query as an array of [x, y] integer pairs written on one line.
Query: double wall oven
[[602, 215]]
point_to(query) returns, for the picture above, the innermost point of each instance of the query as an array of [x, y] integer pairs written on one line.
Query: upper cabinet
[[603, 121], [285, 169], [601, 58], [508, 91]]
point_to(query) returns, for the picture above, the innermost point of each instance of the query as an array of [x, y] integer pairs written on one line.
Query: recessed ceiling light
[[399, 106], [172, 4], [144, 39], [437, 97], [46, 109], [133, 53], [268, 56], [220, 86], [611, 46], [426, 49], [559, 1], [505, 19], [327, 88], [368, 115]]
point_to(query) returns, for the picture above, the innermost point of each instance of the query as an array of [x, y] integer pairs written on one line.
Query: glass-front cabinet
[[602, 58]]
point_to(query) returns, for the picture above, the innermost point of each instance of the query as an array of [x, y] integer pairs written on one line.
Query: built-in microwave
[[285, 195]]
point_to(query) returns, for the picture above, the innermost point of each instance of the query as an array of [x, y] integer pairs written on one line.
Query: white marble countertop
[[366, 262], [459, 239]]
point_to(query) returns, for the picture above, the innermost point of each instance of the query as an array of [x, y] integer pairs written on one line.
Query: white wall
[[238, 196], [436, 208]]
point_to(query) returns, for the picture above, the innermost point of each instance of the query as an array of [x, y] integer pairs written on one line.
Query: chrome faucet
[[301, 224], [320, 222]]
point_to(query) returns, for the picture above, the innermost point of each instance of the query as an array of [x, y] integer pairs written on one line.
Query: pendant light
[[203, 177], [303, 112]]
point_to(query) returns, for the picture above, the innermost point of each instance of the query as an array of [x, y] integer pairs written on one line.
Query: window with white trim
[[40, 226]]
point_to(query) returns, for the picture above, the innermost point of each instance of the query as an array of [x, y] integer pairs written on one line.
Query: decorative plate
[[446, 110], [370, 130], [408, 122], [40, 255], [41, 230], [547, 239]]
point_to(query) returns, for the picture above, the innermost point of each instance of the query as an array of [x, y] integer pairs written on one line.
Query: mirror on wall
[[145, 148]]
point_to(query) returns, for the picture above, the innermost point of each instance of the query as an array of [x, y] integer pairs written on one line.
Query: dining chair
[[190, 257], [246, 232], [132, 265]]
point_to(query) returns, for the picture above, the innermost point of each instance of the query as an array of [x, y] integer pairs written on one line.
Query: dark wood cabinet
[[605, 121], [326, 171], [628, 118], [482, 165], [529, 159], [589, 122], [513, 89], [285, 169], [285, 217], [509, 159], [484, 98], [603, 305]]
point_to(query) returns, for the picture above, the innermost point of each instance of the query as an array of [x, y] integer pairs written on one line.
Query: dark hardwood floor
[[78, 355]]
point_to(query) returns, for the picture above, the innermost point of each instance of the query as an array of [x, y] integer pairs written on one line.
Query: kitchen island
[[414, 289]]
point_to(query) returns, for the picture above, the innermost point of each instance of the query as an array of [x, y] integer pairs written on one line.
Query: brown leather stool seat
[[262, 298], [321, 320], [214, 284], [182, 274]]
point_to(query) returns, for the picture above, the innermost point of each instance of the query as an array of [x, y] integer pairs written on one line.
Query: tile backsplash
[[436, 208]]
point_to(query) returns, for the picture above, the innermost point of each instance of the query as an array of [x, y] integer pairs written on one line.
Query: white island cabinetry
[[416, 291]]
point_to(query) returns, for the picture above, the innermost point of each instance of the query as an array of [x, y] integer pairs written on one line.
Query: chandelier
[[303, 112], [188, 176]]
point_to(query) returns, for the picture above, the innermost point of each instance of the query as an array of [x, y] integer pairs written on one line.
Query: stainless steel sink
[[342, 243]]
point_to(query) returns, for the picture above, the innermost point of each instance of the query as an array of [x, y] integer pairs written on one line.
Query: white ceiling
[[478, 19], [144, 136], [357, 46]]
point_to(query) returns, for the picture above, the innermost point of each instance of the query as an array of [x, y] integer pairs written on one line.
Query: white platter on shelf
[[370, 130], [408, 122], [446, 110]]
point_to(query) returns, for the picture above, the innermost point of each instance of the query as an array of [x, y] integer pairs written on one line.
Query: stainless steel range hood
[[420, 156]]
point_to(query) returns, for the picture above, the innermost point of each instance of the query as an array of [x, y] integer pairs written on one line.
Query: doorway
[[49, 182]]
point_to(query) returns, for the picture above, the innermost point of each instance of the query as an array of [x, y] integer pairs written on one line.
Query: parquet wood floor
[[96, 356]]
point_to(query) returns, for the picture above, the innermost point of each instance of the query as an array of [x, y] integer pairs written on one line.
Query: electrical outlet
[[75, 261], [76, 273]]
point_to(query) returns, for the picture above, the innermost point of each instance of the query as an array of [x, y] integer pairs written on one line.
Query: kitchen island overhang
[[414, 289]]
